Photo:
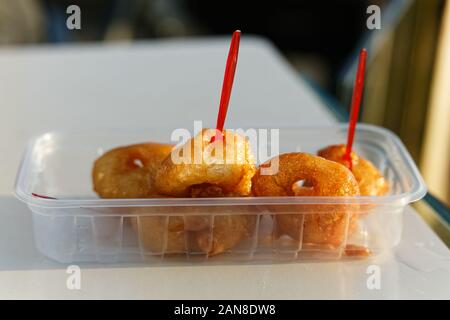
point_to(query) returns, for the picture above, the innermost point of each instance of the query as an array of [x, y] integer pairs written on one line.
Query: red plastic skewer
[[227, 82], [356, 102], [41, 196]]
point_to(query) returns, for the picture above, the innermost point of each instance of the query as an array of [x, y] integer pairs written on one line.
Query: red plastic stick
[[41, 196], [356, 102], [228, 82]]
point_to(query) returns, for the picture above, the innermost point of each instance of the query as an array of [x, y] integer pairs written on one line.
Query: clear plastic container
[[78, 226]]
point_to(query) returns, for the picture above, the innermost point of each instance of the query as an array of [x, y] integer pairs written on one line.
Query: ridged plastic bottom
[[129, 238]]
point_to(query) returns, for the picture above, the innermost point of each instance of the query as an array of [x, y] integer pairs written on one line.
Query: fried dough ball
[[195, 230], [370, 180], [319, 224], [152, 234], [226, 163], [129, 171], [227, 230], [220, 168]]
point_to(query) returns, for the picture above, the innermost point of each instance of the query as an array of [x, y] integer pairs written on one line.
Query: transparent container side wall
[[241, 233]]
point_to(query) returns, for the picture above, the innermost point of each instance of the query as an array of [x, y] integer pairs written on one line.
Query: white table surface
[[176, 82]]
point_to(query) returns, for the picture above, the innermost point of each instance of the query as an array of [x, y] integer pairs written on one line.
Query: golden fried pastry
[[129, 172], [370, 180], [194, 229], [226, 163], [227, 230], [220, 168], [161, 234], [320, 224]]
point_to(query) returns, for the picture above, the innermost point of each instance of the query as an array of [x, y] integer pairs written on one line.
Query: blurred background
[[407, 74]]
